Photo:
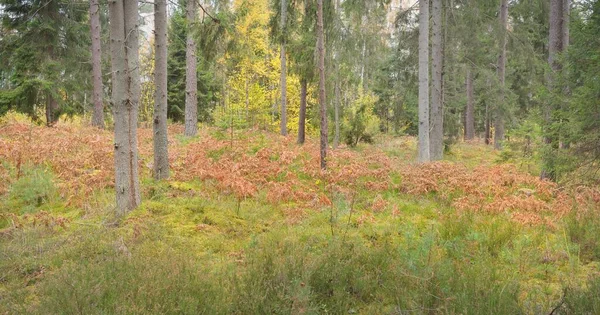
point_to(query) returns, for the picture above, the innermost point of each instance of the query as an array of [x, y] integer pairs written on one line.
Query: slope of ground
[[249, 224]]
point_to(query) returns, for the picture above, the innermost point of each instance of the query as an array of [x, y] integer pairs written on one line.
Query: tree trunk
[[302, 115], [283, 71], [566, 17], [98, 114], [564, 143], [436, 136], [126, 94], [191, 75], [424, 81], [499, 122], [51, 109], [336, 106], [321, 65], [470, 112], [555, 45], [161, 153]]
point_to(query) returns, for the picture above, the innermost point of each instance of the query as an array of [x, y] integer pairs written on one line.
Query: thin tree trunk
[[283, 71], [191, 75], [98, 114], [322, 101], [336, 106], [51, 109], [126, 94], [470, 112], [302, 115], [499, 122], [436, 136], [424, 81], [564, 143], [161, 154]]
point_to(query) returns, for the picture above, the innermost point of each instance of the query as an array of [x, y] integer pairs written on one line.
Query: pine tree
[[45, 57], [424, 150], [436, 136], [97, 90], [321, 65], [191, 75], [161, 155], [126, 92]]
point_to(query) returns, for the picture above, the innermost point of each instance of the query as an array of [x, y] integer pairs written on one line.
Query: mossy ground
[[200, 246]]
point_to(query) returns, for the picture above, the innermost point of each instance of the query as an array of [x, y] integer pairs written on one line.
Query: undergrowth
[[253, 226]]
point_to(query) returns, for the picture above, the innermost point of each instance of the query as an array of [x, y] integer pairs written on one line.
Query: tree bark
[[283, 71], [555, 45], [566, 17], [126, 94], [322, 101], [336, 106], [436, 136], [424, 81], [302, 115], [98, 113], [191, 75], [161, 153], [470, 112], [51, 109], [499, 121]]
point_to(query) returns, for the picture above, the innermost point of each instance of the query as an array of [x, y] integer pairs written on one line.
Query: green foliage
[[583, 300], [33, 189], [209, 38], [146, 282], [583, 229], [44, 53], [360, 122]]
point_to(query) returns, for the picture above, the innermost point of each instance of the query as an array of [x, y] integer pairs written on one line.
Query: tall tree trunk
[[302, 115], [564, 143], [566, 12], [126, 94], [322, 101], [98, 114], [470, 112], [424, 81], [499, 122], [283, 71], [191, 75], [436, 136], [554, 48], [336, 107], [161, 153]]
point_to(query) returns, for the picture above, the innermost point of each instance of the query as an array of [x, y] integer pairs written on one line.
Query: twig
[[349, 217]]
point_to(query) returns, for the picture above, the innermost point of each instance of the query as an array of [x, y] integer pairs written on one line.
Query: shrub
[[361, 123]]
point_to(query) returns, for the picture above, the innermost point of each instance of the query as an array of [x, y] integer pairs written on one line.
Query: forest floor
[[249, 224]]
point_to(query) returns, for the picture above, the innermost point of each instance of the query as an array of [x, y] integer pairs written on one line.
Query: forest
[[300, 157]]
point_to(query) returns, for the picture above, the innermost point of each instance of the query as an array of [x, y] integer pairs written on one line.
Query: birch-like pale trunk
[[424, 81], [191, 75], [161, 153]]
